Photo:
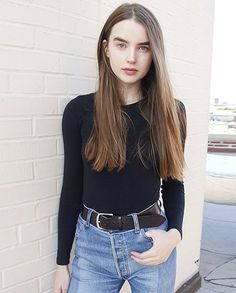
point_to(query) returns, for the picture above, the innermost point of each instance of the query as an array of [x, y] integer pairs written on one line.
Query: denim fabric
[[102, 261]]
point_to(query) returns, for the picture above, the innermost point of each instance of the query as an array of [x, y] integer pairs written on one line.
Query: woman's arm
[[72, 187], [173, 192]]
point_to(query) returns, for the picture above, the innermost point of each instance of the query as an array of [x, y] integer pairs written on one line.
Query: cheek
[[115, 59], [146, 63]]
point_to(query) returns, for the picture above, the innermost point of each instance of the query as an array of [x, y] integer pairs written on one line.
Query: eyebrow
[[122, 40]]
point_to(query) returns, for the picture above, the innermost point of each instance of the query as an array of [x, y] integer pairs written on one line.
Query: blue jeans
[[102, 261]]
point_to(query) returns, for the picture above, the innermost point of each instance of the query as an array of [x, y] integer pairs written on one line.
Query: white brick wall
[[47, 57]]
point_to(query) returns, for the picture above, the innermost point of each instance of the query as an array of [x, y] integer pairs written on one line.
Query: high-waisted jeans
[[102, 260]]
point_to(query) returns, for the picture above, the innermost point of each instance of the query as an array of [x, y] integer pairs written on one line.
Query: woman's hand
[[62, 279], [163, 244]]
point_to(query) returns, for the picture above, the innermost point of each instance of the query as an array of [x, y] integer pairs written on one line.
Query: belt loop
[[136, 222], [88, 217]]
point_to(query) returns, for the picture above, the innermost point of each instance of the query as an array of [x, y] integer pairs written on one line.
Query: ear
[[104, 43]]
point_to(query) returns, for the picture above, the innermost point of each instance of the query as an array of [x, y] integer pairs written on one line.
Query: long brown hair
[[165, 115]]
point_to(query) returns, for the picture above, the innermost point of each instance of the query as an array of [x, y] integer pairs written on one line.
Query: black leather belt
[[148, 218]]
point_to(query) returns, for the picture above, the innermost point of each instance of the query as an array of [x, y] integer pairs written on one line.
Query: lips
[[129, 69]]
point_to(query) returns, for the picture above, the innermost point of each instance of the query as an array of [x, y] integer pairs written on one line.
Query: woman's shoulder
[[180, 104], [77, 106], [180, 107], [82, 100]]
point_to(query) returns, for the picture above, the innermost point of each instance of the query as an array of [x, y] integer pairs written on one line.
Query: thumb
[[148, 233]]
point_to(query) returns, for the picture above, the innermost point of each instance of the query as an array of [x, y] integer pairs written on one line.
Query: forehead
[[129, 30]]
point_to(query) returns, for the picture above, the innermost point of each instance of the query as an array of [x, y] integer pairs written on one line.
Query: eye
[[145, 49], [120, 45]]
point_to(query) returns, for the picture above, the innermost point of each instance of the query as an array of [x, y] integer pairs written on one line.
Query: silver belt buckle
[[98, 221]]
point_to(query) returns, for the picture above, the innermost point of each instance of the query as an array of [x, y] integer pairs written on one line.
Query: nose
[[131, 56]]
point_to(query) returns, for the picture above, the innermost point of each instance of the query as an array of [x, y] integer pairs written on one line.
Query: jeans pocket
[[163, 226], [143, 230], [79, 226]]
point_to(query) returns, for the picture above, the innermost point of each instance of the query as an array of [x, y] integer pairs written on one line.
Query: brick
[[80, 85], [48, 167], [26, 83], [34, 231], [65, 44], [81, 8], [4, 84], [15, 128], [10, 173], [47, 207], [16, 35], [56, 85], [8, 238], [12, 151], [31, 286], [17, 215], [26, 192], [53, 224], [78, 66], [48, 245], [29, 14], [47, 281], [28, 271], [48, 126], [18, 255], [27, 106], [22, 59]]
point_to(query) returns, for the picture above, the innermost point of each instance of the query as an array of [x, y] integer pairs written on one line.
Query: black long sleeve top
[[130, 190]]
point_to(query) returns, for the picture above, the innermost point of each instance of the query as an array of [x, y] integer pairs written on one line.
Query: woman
[[119, 142]]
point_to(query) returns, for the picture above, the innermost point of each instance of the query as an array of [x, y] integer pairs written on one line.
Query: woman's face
[[129, 47]]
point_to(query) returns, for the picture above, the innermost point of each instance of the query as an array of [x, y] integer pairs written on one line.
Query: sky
[[223, 80]]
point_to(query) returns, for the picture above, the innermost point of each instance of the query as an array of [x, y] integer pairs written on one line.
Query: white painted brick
[[26, 83], [47, 281], [66, 44], [34, 231], [27, 191], [10, 173], [12, 34], [78, 66], [48, 167], [8, 238], [47, 126], [4, 85], [18, 255], [45, 3], [81, 8], [47, 207], [60, 146], [15, 128], [76, 85], [68, 23], [53, 224], [31, 287], [12, 151], [28, 271], [29, 14], [56, 84], [59, 183], [17, 215], [48, 245], [22, 59], [27, 106]]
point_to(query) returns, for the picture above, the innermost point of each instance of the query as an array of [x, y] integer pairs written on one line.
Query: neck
[[132, 97]]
